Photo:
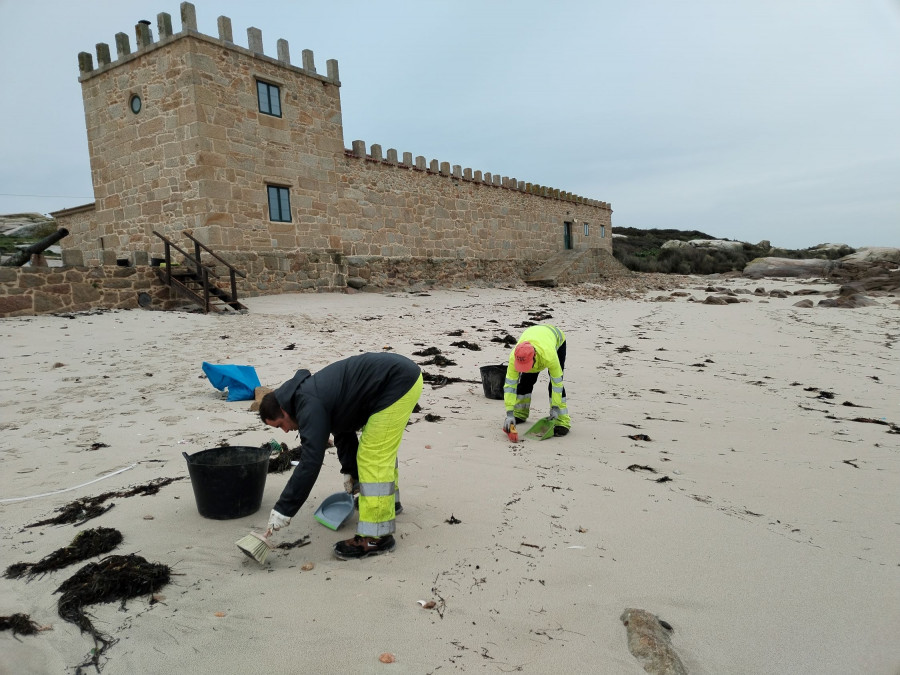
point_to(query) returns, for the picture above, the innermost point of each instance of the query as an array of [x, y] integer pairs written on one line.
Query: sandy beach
[[732, 469]]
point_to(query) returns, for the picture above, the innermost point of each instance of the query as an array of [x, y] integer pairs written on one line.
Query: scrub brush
[[256, 546]]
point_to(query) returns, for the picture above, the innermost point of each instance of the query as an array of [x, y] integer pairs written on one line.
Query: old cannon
[[24, 255]]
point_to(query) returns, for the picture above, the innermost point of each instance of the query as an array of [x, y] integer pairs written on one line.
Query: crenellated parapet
[[144, 43], [456, 172]]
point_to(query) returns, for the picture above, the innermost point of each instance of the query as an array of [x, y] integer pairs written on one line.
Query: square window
[[279, 204], [587, 230], [269, 96]]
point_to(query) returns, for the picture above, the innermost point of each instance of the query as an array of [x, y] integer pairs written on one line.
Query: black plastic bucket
[[228, 482], [492, 379]]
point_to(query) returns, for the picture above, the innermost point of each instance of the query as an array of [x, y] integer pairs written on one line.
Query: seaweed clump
[[20, 624], [86, 544], [116, 577], [86, 508]]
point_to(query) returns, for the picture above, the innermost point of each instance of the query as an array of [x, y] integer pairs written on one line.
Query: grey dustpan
[[334, 510]]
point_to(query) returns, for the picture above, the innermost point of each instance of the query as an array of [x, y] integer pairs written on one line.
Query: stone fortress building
[[246, 152]]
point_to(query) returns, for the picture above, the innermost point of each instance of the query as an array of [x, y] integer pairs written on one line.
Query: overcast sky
[[745, 119]]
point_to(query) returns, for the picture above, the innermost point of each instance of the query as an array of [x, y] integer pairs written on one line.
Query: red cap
[[524, 357]]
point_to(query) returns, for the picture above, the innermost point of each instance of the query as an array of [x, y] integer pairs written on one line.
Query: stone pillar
[[434, 166], [477, 177], [375, 151], [407, 158], [188, 16], [457, 171], [225, 34], [445, 168], [392, 156], [521, 185], [102, 54], [495, 179], [467, 174], [254, 40], [85, 62], [332, 66], [359, 149], [309, 62], [123, 46], [164, 25], [284, 51], [420, 163], [142, 36], [487, 177]]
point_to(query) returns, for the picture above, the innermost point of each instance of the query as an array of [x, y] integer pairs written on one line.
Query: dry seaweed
[[82, 510], [437, 381], [302, 541], [86, 544], [282, 461], [433, 418], [507, 340], [463, 344], [116, 577], [431, 351], [20, 624], [438, 360]]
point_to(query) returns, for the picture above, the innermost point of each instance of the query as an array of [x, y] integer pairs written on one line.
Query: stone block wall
[[48, 290], [198, 156]]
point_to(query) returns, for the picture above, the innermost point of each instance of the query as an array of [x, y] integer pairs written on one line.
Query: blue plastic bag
[[241, 381]]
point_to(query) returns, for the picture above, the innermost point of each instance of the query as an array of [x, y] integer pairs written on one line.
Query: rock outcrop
[[650, 642], [788, 267]]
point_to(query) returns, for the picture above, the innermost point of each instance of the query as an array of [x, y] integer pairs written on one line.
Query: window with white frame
[[279, 204]]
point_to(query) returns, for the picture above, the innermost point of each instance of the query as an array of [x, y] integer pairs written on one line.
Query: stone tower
[[190, 131]]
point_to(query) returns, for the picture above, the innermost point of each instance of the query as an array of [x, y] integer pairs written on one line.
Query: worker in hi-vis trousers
[[539, 347], [372, 392]]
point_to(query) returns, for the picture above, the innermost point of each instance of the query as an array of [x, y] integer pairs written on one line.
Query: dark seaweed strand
[[19, 624], [116, 577]]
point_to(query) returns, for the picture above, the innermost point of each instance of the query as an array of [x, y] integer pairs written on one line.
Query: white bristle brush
[[256, 546]]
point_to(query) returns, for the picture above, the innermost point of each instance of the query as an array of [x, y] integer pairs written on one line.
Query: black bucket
[[228, 482], [492, 379]]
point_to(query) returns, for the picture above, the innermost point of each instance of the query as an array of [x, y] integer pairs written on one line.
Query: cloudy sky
[[744, 119]]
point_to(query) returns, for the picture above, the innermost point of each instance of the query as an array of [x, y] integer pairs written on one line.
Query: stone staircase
[[549, 274]]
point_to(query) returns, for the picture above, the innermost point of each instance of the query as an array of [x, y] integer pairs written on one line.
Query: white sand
[[767, 552]]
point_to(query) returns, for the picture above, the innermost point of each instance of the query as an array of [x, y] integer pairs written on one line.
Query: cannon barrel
[[24, 255]]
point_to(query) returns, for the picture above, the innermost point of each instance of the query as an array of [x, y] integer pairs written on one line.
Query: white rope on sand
[[56, 492]]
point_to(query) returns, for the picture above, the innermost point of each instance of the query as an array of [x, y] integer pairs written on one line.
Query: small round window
[[135, 104]]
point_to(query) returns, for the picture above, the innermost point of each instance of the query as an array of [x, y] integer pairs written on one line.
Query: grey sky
[[745, 119]]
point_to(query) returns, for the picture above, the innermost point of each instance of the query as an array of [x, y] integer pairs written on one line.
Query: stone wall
[[199, 155], [47, 290], [402, 208]]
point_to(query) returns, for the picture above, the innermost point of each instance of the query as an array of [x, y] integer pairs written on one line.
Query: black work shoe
[[560, 431], [362, 547]]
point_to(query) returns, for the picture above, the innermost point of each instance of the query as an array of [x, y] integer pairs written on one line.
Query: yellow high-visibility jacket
[[545, 339]]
